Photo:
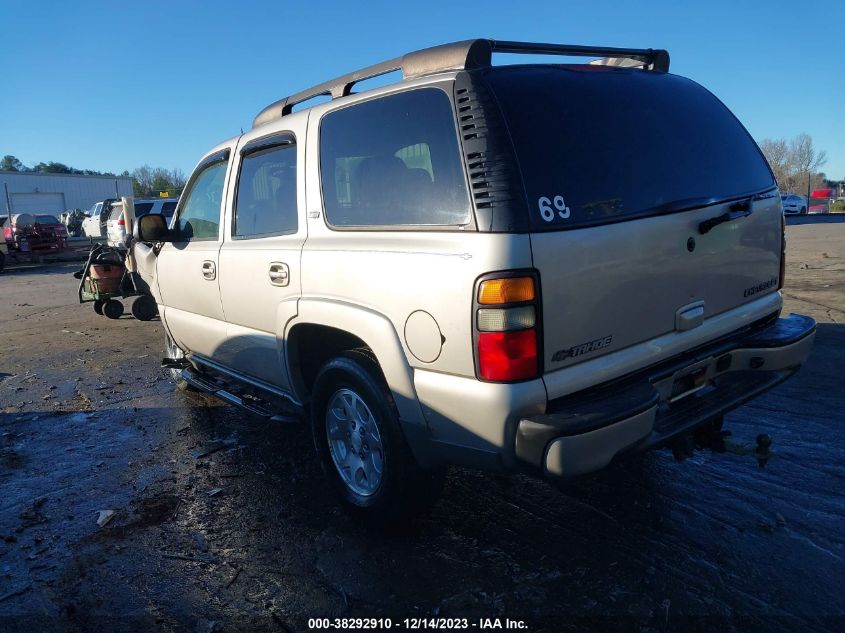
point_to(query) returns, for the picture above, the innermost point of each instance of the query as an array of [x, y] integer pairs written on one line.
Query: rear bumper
[[582, 433]]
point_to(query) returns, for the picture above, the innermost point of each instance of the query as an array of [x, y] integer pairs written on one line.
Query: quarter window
[[199, 217], [266, 203], [393, 161]]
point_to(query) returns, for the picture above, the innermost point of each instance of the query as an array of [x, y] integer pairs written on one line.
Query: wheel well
[[310, 346]]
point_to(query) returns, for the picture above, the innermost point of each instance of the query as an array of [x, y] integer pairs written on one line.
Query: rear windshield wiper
[[740, 209]]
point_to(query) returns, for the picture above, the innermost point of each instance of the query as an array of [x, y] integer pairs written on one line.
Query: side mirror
[[152, 228]]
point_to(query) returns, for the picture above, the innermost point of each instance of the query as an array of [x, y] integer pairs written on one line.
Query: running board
[[211, 388]]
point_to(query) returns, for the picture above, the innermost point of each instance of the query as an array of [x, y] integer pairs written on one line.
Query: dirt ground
[[223, 522]]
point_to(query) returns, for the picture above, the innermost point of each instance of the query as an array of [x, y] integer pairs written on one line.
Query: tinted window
[[599, 145], [168, 208], [199, 217], [393, 161], [46, 219], [266, 203], [142, 208]]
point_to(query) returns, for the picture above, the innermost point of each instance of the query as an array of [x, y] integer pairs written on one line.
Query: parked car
[[51, 233], [95, 225], [73, 219], [116, 225], [794, 204], [473, 288]]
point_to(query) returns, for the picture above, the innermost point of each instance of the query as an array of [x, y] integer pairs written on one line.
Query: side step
[[247, 402]]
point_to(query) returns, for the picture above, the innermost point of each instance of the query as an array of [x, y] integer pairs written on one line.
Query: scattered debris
[[200, 542], [233, 578], [104, 517], [212, 447], [15, 592], [208, 626], [33, 515], [188, 557]]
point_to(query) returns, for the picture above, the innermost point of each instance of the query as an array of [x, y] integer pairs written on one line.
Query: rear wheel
[[2, 261], [113, 309], [360, 443]]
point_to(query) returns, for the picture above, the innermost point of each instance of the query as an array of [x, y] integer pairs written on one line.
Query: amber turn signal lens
[[508, 290]]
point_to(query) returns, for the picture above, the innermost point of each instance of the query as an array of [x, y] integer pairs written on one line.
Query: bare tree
[[776, 152], [795, 163]]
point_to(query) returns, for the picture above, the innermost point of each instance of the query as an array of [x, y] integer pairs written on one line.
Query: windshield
[[598, 144]]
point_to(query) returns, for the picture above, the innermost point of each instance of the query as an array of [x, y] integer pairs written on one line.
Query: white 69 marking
[[548, 213]]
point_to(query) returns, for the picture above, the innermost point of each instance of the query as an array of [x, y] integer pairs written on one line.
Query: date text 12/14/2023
[[417, 624]]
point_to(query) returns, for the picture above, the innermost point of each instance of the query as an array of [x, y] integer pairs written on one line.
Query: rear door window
[[266, 201], [598, 144], [393, 162]]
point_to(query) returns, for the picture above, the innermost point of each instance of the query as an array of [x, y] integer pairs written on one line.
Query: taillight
[[782, 251], [121, 222], [506, 315]]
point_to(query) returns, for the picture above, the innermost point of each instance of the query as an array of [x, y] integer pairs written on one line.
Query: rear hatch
[[621, 167]]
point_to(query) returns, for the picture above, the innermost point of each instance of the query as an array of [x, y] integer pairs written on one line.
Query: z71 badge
[[583, 348]]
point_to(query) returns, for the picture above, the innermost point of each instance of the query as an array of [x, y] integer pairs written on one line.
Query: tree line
[[146, 181], [796, 163]]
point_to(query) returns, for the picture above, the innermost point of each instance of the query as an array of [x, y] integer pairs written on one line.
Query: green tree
[[11, 163]]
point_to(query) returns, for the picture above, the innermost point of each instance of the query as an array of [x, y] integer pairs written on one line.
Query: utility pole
[[8, 204]]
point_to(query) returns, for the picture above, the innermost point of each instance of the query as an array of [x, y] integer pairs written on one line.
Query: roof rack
[[465, 55]]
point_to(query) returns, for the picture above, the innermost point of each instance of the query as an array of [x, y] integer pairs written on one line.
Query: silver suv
[[534, 267]]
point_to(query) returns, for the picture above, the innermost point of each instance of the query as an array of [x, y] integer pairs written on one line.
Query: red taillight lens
[[121, 222], [506, 356]]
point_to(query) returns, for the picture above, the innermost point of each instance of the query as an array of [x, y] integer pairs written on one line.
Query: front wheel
[[360, 443], [803, 211]]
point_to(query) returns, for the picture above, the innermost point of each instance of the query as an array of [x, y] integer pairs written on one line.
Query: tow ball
[[712, 436]]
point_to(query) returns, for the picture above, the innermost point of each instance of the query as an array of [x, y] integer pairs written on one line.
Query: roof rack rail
[[465, 55]]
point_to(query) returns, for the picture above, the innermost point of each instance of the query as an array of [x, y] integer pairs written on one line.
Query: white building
[[24, 192]]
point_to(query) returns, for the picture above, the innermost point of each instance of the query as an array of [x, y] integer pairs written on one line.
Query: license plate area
[[689, 380]]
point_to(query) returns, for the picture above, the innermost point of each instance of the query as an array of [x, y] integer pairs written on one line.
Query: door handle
[[279, 274], [209, 270]]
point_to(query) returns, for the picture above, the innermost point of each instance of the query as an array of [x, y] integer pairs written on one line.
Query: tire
[[113, 309], [2, 261], [171, 350], [371, 467], [144, 308], [98, 307], [803, 211]]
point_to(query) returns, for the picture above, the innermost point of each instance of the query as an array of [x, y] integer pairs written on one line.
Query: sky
[[112, 86]]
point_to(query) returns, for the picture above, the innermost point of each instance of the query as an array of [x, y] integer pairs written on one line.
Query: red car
[[49, 233], [28, 232]]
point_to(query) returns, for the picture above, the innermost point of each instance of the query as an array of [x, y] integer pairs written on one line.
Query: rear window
[[142, 208], [47, 219], [394, 161], [601, 145]]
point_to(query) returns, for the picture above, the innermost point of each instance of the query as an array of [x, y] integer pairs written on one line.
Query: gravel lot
[[223, 522]]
